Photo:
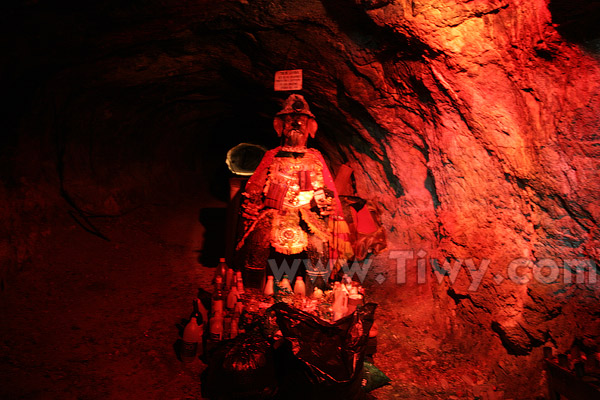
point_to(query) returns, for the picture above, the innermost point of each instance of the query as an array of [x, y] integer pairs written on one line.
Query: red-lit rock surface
[[472, 124]]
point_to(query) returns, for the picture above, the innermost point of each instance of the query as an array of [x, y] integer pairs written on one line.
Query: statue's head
[[295, 122]]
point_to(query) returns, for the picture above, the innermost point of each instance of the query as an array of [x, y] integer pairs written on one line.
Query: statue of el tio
[[290, 208]]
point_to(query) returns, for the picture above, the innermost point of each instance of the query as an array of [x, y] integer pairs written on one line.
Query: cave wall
[[472, 125], [507, 149]]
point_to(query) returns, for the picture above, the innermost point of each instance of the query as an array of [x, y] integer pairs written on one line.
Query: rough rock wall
[[490, 139], [498, 165]]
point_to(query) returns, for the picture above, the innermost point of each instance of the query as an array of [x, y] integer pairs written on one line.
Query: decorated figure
[[290, 205]]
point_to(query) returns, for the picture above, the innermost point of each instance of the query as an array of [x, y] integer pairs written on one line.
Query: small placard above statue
[[288, 80]]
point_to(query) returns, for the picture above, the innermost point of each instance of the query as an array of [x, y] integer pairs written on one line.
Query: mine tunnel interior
[[470, 127]]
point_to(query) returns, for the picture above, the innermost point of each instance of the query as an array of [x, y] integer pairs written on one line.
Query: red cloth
[[340, 235], [257, 181], [365, 223]]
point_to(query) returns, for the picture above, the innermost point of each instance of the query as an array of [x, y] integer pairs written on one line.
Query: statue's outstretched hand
[[323, 197]]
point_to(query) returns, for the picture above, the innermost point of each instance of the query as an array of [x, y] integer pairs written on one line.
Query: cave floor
[[87, 318]]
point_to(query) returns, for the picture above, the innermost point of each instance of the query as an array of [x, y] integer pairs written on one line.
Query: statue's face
[[296, 129]]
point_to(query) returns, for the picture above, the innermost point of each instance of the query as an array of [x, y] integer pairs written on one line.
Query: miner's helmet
[[295, 104]]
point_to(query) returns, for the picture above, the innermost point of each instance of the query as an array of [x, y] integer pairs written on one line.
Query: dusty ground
[[95, 319]]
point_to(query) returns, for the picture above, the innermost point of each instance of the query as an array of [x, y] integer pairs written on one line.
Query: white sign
[[288, 80]]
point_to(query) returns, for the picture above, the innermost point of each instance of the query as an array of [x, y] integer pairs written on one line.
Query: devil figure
[[290, 204]]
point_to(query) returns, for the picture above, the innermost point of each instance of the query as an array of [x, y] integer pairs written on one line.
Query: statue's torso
[[293, 179]]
